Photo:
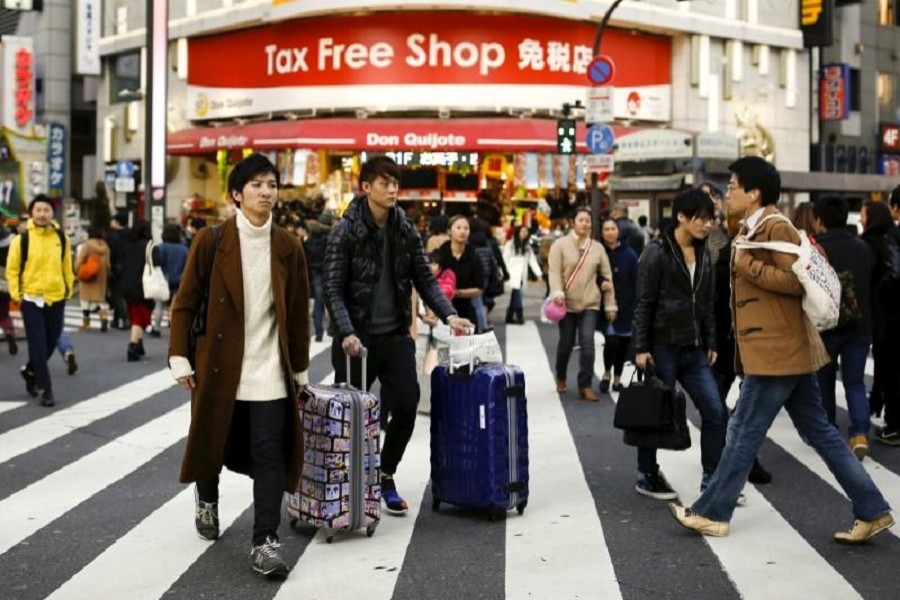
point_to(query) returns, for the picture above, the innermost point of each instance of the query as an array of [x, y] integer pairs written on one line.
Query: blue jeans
[[852, 351], [761, 399], [64, 344], [515, 299], [583, 324], [318, 291], [42, 329], [480, 313], [689, 366]]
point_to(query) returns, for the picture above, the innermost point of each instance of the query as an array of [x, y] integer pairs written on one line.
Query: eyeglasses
[[732, 185]]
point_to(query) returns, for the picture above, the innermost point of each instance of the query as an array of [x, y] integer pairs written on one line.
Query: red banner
[[422, 48]]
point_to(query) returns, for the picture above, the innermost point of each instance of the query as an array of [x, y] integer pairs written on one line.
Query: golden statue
[[753, 138]]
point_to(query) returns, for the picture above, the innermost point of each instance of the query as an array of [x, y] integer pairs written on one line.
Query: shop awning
[[474, 135]]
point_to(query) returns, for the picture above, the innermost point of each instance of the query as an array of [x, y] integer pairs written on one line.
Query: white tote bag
[[154, 280]]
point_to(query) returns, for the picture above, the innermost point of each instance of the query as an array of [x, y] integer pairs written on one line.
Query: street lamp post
[[155, 99]]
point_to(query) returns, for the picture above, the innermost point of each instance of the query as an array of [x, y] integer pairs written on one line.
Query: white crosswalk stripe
[[568, 543]]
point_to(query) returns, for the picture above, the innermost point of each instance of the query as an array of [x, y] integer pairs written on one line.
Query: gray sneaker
[[206, 520], [266, 560]]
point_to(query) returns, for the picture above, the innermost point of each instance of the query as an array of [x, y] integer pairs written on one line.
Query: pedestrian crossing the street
[[90, 507]]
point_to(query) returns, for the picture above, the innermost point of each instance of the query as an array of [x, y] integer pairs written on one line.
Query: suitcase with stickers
[[479, 438], [340, 484]]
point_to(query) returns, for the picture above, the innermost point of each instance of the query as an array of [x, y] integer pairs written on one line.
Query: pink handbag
[[552, 311]]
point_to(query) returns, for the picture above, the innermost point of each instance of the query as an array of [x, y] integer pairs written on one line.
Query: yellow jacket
[[48, 270]]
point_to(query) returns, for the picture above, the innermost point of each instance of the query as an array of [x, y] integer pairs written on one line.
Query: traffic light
[[565, 136]]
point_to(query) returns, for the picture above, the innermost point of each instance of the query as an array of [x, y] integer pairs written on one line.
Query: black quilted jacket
[[353, 261]]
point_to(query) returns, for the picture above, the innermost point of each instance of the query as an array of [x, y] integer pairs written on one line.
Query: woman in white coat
[[518, 256]]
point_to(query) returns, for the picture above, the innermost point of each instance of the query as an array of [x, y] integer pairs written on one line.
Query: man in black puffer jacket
[[372, 260], [674, 329]]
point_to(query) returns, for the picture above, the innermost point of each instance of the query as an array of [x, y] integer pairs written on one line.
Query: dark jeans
[[889, 358], [267, 422], [391, 360], [117, 303], [515, 299], [615, 352], [583, 325], [318, 303], [42, 329], [689, 366], [762, 397], [852, 351]]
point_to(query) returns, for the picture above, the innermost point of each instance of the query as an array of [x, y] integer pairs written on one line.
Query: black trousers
[[615, 353], [886, 361], [391, 360], [267, 422]]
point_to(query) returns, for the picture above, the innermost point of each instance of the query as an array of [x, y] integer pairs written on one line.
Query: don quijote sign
[[414, 140], [223, 141], [408, 59]]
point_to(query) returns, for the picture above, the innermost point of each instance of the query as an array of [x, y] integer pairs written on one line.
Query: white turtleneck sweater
[[262, 376]]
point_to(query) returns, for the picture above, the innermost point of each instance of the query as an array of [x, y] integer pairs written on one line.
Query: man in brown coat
[[252, 361], [779, 352]]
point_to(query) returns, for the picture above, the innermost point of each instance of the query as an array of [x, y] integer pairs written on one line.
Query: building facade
[[466, 94]]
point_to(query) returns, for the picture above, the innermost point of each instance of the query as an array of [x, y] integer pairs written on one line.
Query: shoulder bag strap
[[786, 247], [581, 261]]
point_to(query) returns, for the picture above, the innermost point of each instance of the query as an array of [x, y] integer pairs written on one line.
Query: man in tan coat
[[252, 361], [779, 352]]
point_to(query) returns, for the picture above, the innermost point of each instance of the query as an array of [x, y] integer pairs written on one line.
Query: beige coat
[[584, 293], [214, 439], [773, 335], [95, 290]]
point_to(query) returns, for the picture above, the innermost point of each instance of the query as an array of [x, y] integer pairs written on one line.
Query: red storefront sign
[[421, 48], [889, 134], [479, 135], [24, 93], [834, 92]]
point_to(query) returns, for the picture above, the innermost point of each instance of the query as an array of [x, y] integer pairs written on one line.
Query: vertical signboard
[[87, 37], [56, 160], [17, 75], [816, 18], [834, 92]]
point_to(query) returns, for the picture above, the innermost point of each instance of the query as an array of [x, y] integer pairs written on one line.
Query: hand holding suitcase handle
[[363, 355]]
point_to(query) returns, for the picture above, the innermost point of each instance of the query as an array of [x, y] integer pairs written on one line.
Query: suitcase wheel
[[435, 504], [521, 507], [370, 531], [329, 538]]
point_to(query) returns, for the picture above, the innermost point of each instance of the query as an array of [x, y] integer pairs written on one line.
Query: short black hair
[[380, 165], [243, 172], [895, 198], [172, 233], [95, 232], [40, 198], [642, 220], [439, 224], [121, 218], [197, 223], [141, 230], [693, 203], [754, 173], [832, 211], [582, 209]]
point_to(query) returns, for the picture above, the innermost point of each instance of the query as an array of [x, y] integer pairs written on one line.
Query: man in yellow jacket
[[41, 282]]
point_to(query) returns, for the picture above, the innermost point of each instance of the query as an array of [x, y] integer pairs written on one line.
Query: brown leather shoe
[[561, 387], [863, 530], [588, 395]]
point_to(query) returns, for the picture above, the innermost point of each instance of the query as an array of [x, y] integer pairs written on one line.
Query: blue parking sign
[[600, 139]]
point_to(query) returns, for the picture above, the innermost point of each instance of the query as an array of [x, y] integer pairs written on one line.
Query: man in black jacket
[[849, 342], [373, 258], [674, 330]]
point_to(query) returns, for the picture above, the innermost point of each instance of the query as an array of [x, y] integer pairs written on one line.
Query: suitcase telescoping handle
[[363, 354]]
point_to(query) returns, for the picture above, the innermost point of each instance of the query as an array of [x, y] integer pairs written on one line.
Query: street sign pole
[[596, 199], [154, 167]]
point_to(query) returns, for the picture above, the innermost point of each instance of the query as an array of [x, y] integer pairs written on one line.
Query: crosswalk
[[91, 490]]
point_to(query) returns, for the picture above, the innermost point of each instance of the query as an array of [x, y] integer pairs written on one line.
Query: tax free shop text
[[421, 51]]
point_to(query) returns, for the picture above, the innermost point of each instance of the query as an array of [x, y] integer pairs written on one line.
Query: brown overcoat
[[93, 291], [773, 335], [214, 439]]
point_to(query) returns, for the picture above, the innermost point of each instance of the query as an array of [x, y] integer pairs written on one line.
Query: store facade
[[465, 97]]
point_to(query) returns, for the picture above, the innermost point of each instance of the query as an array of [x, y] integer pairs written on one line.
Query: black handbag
[[198, 325], [653, 415]]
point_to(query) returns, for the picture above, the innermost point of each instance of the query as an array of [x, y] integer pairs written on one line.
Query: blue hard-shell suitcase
[[479, 438]]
